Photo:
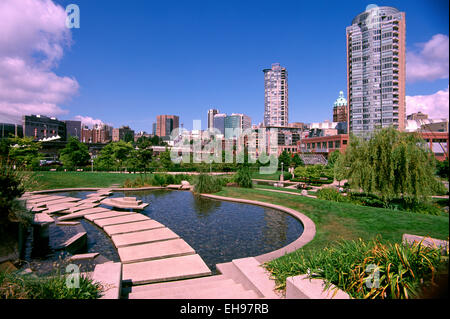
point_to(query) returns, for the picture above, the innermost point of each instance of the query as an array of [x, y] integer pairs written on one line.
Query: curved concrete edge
[[309, 228]]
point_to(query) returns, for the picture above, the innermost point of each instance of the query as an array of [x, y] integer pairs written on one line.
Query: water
[[218, 231]]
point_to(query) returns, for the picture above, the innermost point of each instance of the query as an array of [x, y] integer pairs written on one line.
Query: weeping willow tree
[[392, 165]]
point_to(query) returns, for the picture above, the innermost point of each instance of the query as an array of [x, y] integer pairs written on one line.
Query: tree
[[143, 155], [310, 173], [392, 164], [284, 158], [297, 161], [23, 151], [442, 168], [339, 168], [129, 137], [75, 154], [105, 159], [121, 151], [165, 159], [332, 158], [114, 155]]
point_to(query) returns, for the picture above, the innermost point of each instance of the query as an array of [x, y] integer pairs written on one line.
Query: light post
[[282, 175]]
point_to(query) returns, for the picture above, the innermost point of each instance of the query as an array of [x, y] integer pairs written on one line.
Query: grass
[[273, 177], [336, 221], [57, 180]]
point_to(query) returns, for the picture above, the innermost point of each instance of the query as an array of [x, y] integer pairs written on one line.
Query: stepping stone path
[[155, 261], [149, 251]]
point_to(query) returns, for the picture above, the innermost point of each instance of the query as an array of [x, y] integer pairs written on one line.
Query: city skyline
[[120, 83]]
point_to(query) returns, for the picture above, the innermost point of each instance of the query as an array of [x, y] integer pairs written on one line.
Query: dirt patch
[[335, 228]]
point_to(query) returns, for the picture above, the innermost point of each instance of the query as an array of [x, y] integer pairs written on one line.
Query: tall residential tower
[[276, 106], [376, 70], [211, 113]]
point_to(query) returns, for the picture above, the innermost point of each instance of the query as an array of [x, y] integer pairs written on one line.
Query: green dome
[[341, 100]]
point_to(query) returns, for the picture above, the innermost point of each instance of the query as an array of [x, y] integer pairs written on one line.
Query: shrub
[[243, 177], [14, 286], [207, 184], [331, 194], [287, 176], [403, 270], [365, 199]]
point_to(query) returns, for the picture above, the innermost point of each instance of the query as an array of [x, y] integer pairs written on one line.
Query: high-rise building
[[165, 124], [219, 122], [211, 114], [239, 122], [376, 70], [276, 106], [340, 108]]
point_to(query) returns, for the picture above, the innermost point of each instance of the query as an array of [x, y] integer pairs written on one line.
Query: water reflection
[[276, 226], [203, 207]]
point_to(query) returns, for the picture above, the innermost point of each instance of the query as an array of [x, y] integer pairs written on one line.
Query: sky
[[132, 60]]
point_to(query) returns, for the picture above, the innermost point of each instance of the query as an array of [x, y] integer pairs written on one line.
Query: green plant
[[15, 286], [243, 177], [331, 194], [392, 164], [402, 270], [207, 184]]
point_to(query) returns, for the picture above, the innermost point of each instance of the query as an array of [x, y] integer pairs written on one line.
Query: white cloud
[[89, 121], [435, 105], [431, 63], [33, 36]]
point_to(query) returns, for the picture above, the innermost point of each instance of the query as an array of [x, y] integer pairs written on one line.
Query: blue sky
[[136, 59]]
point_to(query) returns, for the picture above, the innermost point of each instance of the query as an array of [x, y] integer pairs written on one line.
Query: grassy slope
[[56, 180], [347, 221]]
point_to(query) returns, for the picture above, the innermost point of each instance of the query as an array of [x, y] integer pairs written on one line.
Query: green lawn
[[341, 221], [347, 221], [273, 177], [56, 180]]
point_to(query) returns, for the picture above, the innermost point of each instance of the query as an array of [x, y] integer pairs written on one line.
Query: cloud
[[33, 36], [89, 121], [431, 63], [435, 105]]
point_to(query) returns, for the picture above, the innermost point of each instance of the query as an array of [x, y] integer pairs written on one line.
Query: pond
[[219, 231]]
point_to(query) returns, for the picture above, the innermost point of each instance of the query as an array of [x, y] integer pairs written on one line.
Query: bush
[[365, 199], [207, 184], [403, 270], [331, 194], [243, 177], [12, 186], [287, 176], [14, 286]]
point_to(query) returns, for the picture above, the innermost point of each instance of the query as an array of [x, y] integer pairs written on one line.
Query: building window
[[330, 144], [337, 144]]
